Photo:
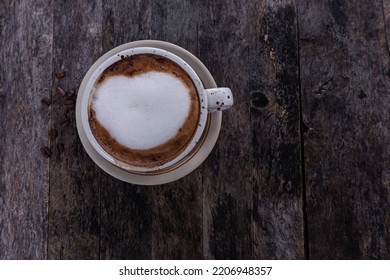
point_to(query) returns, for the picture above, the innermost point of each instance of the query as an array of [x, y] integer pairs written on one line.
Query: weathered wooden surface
[[300, 169], [25, 78], [344, 62], [275, 141], [259, 215], [177, 207], [75, 181]]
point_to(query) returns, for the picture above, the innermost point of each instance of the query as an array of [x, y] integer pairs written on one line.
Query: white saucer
[[190, 165]]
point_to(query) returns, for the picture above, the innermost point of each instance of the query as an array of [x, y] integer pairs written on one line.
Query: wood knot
[[259, 99], [325, 87], [362, 95]]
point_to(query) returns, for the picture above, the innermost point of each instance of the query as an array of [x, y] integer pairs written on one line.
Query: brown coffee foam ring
[[179, 163], [133, 66], [204, 149]]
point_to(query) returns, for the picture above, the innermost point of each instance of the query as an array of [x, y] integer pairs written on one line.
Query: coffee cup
[[145, 110]]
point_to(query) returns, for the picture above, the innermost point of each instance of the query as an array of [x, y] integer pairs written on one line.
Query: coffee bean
[[65, 122], [46, 101], [53, 133], [70, 93], [60, 91], [60, 74], [46, 152], [60, 148], [69, 103]]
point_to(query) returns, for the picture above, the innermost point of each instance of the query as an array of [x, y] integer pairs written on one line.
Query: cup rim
[[202, 106]]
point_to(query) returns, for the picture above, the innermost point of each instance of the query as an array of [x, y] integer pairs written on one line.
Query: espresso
[[144, 110]]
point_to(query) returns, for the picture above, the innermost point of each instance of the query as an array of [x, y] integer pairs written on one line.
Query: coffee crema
[[144, 110]]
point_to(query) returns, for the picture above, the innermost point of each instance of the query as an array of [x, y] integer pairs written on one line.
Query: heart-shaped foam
[[143, 111]]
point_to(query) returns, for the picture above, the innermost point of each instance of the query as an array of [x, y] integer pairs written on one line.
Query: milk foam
[[143, 111]]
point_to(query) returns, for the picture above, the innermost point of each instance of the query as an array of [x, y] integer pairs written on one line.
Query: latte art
[[144, 110]]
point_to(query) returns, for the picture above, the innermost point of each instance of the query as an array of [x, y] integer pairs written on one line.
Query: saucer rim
[[179, 172]]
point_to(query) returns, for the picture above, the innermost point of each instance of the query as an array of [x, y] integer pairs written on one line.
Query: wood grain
[[126, 209], [25, 71], [227, 202], [386, 18], [301, 166], [273, 87], [253, 189], [344, 62], [75, 181], [177, 207]]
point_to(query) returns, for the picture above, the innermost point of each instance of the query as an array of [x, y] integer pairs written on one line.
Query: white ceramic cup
[[211, 100]]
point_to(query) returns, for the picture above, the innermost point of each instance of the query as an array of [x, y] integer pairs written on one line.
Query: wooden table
[[301, 168]]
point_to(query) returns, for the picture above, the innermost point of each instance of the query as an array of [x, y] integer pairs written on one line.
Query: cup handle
[[219, 99]]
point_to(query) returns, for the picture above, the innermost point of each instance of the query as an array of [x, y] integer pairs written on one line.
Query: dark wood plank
[[126, 221], [126, 209], [177, 219], [344, 61], [273, 88], [227, 197], [25, 78], [253, 188], [246, 200], [228, 231], [177, 207], [386, 17], [125, 21], [75, 181]]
